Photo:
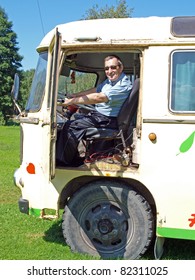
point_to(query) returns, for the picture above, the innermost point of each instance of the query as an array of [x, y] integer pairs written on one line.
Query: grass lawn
[[24, 237]]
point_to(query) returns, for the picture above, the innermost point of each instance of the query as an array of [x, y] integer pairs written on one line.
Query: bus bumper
[[18, 182]]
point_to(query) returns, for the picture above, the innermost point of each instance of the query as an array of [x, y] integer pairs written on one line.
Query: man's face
[[112, 69]]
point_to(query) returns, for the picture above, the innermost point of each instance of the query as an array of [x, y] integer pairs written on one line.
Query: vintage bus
[[115, 204]]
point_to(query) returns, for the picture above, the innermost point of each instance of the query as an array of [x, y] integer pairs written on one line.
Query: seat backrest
[[129, 107]]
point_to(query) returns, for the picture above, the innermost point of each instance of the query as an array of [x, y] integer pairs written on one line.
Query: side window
[[183, 82], [77, 81]]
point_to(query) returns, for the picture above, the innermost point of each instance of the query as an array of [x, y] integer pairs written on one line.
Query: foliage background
[[10, 62]]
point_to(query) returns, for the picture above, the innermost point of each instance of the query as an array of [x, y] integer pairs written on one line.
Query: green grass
[[24, 237]]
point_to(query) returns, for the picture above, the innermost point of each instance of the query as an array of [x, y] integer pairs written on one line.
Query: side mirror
[[15, 88], [15, 91]]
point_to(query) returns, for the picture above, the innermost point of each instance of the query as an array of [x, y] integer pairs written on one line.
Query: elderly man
[[107, 98]]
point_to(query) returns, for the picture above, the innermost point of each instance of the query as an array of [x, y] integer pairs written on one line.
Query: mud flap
[[158, 247]]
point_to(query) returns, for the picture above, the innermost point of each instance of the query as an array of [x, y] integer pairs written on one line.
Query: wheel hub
[[105, 226]]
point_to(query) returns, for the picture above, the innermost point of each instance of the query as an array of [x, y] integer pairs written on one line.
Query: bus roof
[[150, 29]]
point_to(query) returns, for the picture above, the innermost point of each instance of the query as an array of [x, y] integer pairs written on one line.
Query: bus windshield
[[38, 85]]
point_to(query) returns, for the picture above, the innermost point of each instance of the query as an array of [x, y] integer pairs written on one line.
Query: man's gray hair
[[114, 56]]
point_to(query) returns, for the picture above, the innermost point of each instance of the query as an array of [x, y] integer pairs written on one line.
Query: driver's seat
[[125, 116]]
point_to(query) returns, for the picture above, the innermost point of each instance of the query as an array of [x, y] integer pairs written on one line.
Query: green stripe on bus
[[176, 233], [35, 212]]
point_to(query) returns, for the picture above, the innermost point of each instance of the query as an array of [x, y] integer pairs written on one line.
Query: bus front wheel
[[108, 219]]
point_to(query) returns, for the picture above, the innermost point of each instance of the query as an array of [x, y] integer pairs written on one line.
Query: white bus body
[[113, 210]]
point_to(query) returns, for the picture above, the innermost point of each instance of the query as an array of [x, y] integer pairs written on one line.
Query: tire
[[108, 219]]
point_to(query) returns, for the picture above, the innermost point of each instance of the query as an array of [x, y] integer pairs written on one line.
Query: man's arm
[[90, 98]]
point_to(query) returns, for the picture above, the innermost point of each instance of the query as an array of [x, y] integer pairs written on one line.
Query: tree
[[10, 62], [120, 11]]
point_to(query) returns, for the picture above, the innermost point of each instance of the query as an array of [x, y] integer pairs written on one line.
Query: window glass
[[76, 82], [183, 26], [38, 85], [183, 81]]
